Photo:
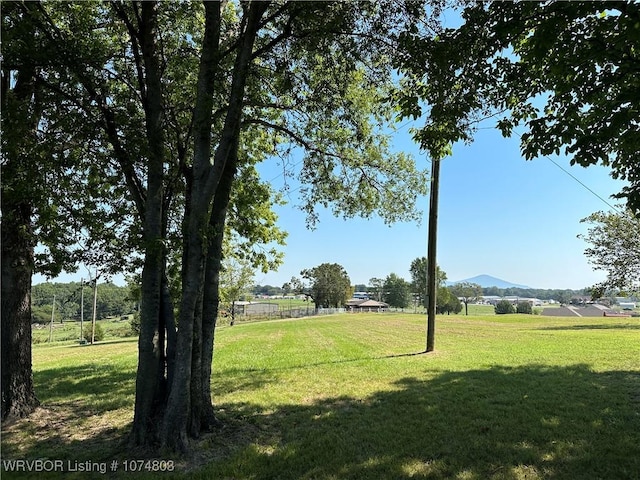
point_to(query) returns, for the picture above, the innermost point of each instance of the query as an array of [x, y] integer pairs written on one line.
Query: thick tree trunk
[[18, 395], [211, 297], [150, 381], [183, 410], [20, 117]]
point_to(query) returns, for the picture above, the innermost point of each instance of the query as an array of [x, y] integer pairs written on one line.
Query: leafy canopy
[[614, 239], [330, 285], [565, 71]]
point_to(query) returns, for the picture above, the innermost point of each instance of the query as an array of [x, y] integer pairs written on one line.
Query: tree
[[614, 239], [524, 307], [183, 99], [503, 307], [50, 193], [447, 302], [236, 278], [467, 292], [360, 287], [376, 288], [563, 296], [565, 71], [330, 285], [419, 282], [397, 292]]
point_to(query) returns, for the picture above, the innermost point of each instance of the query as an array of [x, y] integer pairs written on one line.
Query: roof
[[367, 303]]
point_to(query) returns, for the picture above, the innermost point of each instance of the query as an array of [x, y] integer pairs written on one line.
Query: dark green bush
[[504, 306], [135, 323], [524, 307], [98, 334]]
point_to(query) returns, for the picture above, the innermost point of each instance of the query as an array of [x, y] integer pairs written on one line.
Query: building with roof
[[361, 305]]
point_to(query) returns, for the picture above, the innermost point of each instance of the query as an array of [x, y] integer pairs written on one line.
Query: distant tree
[[360, 287], [418, 272], [113, 300], [397, 291], [467, 292], [614, 239], [236, 278], [524, 307], [376, 288], [267, 290], [563, 296], [492, 291], [98, 334], [446, 302], [330, 285], [504, 306]]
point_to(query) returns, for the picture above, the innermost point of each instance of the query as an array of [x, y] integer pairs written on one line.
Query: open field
[[351, 397]]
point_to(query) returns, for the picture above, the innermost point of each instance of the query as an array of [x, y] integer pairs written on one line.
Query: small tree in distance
[[467, 292], [504, 307], [396, 291], [376, 288], [446, 302], [330, 284], [524, 307]]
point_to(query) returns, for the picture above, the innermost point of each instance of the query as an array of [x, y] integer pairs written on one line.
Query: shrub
[[524, 307], [504, 306], [135, 323], [97, 336]]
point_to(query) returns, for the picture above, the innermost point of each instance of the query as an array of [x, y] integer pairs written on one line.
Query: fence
[[280, 314]]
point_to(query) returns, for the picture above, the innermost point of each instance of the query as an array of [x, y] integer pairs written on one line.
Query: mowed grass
[[354, 397]]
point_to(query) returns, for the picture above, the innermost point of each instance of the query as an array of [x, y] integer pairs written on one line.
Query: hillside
[[488, 281]]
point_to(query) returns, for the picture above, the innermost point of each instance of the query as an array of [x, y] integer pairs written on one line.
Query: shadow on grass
[[500, 423], [80, 417], [106, 387]]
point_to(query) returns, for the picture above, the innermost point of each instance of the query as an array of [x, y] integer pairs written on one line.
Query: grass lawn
[[351, 397]]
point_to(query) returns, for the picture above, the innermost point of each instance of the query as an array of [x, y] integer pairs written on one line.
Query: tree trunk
[[183, 411], [20, 117], [18, 395], [151, 380], [211, 295]]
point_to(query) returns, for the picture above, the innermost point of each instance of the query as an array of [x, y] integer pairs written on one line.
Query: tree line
[[329, 285], [112, 300]]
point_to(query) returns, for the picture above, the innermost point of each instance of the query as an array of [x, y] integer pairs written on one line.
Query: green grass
[[479, 309], [69, 331], [352, 397]]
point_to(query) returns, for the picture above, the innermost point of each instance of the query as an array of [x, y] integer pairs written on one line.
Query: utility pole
[[53, 311], [431, 255], [81, 308], [95, 303]]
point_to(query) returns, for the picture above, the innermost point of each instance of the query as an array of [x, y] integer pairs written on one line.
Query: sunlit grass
[[353, 396]]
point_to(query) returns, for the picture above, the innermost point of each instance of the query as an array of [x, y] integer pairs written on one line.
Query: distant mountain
[[489, 281]]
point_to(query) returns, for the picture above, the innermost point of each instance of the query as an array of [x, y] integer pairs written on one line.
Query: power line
[[595, 194], [582, 184]]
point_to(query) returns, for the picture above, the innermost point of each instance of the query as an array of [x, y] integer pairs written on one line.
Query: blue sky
[[499, 214]]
